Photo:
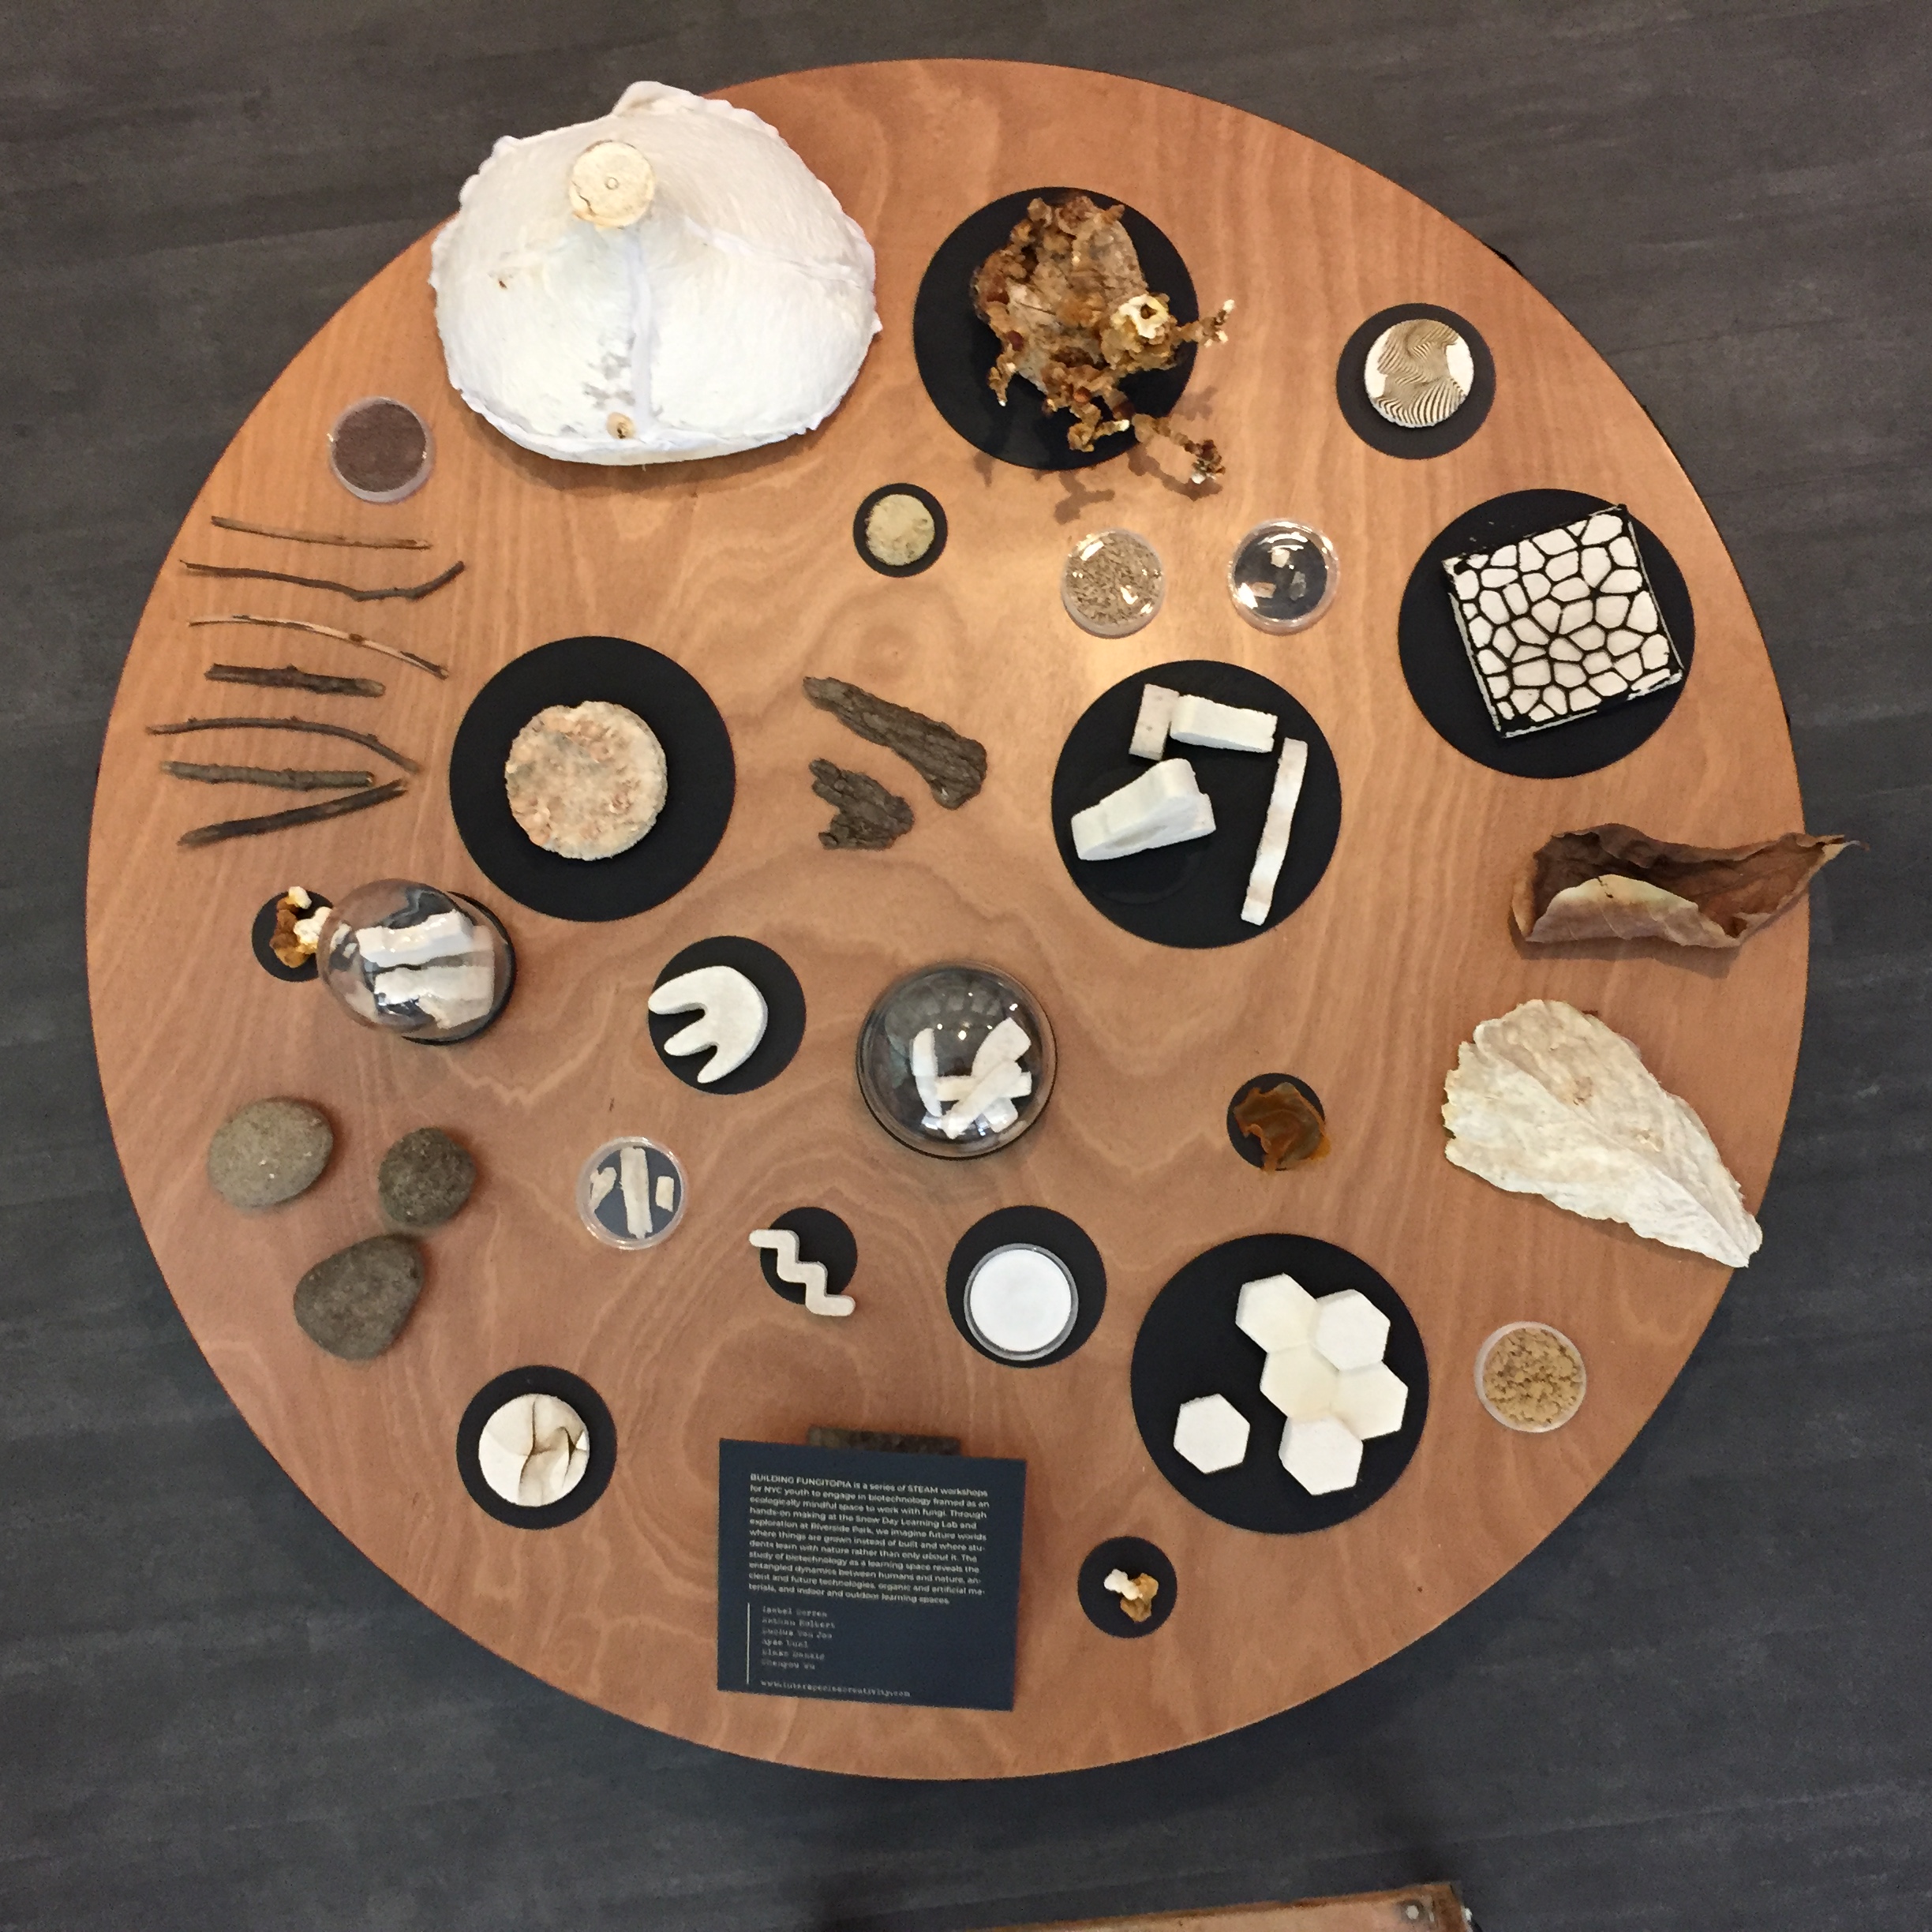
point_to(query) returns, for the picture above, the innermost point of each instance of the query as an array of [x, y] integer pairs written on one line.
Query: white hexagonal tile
[[1349, 1329], [1211, 1433], [1278, 1312], [1299, 1382], [1322, 1455], [1372, 1400]]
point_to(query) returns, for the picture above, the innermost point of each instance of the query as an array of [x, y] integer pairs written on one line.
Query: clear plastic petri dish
[[1563, 1356], [381, 450], [631, 1192], [1021, 1303], [1112, 583], [1283, 575]]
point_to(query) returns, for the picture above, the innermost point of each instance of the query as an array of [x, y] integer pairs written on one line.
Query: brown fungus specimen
[[1614, 882], [1284, 1121], [954, 767], [1067, 299]]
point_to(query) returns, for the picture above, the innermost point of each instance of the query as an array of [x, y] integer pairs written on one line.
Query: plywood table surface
[[743, 572]]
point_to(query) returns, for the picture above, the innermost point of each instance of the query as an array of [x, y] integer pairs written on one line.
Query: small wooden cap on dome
[[611, 184]]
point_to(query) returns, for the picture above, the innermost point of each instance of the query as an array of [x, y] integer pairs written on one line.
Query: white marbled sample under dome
[[692, 290]]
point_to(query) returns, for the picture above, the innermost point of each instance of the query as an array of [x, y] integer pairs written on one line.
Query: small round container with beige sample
[[1530, 1376], [381, 450], [900, 529], [1112, 583]]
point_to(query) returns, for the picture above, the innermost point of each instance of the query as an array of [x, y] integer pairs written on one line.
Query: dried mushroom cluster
[[1067, 298]]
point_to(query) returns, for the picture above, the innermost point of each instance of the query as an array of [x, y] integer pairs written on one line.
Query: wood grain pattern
[[742, 571]]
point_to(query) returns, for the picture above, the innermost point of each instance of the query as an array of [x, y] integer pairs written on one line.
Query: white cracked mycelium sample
[[1562, 625], [731, 1018], [733, 308], [534, 1449], [1271, 847], [1548, 1100]]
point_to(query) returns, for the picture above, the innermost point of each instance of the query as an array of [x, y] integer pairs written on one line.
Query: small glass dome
[[956, 1060], [431, 966]]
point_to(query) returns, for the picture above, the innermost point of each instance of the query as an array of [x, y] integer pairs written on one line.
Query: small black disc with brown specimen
[[927, 558], [1136, 1557]]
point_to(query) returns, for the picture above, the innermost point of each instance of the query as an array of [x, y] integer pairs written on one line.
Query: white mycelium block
[[733, 1018], [1301, 1383], [1222, 727], [1150, 731], [1322, 1455], [1349, 1329], [1211, 1433], [1163, 806], [1372, 1400], [1278, 1312]]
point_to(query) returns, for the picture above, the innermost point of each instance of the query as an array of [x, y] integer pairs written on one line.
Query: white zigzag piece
[[810, 1275]]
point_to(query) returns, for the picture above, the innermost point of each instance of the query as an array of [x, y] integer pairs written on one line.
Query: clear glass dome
[[431, 966], [1282, 576], [956, 1060]]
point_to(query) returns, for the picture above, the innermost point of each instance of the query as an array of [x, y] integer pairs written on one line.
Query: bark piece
[[1612, 881], [955, 767], [869, 817]]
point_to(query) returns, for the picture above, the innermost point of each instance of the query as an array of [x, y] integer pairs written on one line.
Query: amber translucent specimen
[[1283, 1118]]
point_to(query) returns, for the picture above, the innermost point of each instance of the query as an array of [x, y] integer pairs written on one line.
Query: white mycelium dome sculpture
[[670, 281]]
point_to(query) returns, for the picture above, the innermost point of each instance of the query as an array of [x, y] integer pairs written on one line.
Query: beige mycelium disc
[[586, 781], [611, 185]]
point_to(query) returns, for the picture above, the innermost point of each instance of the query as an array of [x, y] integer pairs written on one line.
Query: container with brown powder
[[381, 450], [1530, 1376]]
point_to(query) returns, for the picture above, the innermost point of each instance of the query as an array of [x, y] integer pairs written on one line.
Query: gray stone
[[425, 1178], [355, 1303], [269, 1152]]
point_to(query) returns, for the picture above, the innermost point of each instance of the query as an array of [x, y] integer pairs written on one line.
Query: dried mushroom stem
[[319, 537], [328, 630], [277, 778], [410, 593], [300, 815], [286, 724], [287, 677]]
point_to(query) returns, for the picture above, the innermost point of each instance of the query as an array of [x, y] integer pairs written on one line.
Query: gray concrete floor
[[1702, 1704]]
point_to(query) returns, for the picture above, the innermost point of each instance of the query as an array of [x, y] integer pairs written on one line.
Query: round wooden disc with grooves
[[742, 571]]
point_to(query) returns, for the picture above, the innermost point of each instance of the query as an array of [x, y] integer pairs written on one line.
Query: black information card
[[862, 1574]]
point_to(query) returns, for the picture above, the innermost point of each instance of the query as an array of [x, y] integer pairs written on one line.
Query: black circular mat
[[955, 348], [1188, 1346], [1391, 438], [1443, 683], [784, 1014], [1191, 895], [1245, 1145], [919, 563], [538, 1381], [1037, 1227], [1138, 1558], [697, 757], [822, 1237], [262, 930]]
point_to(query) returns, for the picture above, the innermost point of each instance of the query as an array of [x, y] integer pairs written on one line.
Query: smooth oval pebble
[[269, 1152], [425, 1178], [355, 1303]]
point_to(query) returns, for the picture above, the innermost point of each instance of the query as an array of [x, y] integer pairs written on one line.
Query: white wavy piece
[[733, 1017], [1548, 1100], [810, 1275], [735, 311]]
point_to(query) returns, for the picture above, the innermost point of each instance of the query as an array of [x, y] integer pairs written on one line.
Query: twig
[[318, 536], [288, 677], [329, 630], [301, 814], [410, 591], [286, 724], [283, 780]]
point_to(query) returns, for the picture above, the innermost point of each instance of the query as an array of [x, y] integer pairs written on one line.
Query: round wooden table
[[743, 571]]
